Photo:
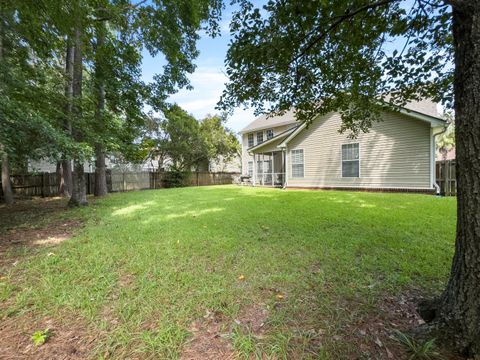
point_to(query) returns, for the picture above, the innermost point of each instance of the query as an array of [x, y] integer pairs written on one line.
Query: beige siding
[[394, 154], [246, 157]]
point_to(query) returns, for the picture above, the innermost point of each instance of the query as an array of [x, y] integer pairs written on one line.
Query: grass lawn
[[257, 273]]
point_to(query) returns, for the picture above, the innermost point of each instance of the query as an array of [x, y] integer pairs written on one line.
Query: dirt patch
[[210, 339], [211, 335], [27, 225], [376, 334], [69, 340], [254, 319]]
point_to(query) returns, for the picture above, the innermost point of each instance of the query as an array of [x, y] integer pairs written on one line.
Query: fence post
[[124, 183], [447, 177], [44, 184]]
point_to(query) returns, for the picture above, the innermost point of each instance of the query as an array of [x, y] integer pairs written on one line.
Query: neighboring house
[[220, 165], [398, 153], [111, 162]]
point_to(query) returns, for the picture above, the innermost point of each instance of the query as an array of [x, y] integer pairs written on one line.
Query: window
[[297, 163], [259, 137], [259, 167], [269, 134], [250, 140], [351, 160], [250, 168]]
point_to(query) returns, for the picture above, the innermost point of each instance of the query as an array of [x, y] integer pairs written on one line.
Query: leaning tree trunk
[[79, 189], [100, 169], [6, 184], [457, 315]]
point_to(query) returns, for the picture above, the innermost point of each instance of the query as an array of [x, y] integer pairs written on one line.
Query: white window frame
[[341, 161], [292, 163], [267, 132], [258, 133], [248, 140]]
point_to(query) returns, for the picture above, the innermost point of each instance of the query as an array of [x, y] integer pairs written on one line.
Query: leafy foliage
[[183, 143], [353, 56]]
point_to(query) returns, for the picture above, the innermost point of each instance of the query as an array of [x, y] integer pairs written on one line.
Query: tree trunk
[[100, 170], [66, 165], [457, 313], [79, 190], [67, 178], [6, 184]]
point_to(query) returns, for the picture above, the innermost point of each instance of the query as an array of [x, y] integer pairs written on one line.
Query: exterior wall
[[394, 154], [246, 157], [232, 165]]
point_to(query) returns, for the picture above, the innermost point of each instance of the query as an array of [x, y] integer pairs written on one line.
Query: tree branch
[[340, 19]]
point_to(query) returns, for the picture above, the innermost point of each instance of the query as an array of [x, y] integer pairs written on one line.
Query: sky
[[208, 80]]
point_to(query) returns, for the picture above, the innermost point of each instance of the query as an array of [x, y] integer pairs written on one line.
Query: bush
[[175, 178]]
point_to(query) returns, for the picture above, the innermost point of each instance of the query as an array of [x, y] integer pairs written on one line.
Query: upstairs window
[[269, 134], [298, 165], [250, 140], [259, 137], [351, 160]]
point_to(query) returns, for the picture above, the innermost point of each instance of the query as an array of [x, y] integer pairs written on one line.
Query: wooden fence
[[446, 177], [46, 184]]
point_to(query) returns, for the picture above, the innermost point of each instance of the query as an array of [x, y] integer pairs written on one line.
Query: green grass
[[148, 263]]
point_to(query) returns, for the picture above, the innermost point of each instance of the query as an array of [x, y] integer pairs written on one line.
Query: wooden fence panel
[[46, 184], [446, 177]]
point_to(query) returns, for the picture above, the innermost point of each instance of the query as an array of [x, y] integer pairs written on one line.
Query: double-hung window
[[298, 165], [269, 133], [259, 137], [250, 140], [250, 168], [351, 160]]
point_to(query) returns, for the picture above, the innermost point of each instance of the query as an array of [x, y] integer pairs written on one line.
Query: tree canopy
[[352, 56]]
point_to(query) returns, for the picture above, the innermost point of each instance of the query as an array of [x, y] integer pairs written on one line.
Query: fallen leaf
[[241, 277], [280, 296]]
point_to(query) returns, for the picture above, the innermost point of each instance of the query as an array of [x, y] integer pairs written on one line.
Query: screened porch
[[269, 168]]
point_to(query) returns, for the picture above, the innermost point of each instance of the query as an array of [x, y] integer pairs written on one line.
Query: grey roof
[[265, 122], [262, 122]]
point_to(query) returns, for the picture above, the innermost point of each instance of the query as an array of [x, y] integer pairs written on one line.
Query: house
[[397, 154]]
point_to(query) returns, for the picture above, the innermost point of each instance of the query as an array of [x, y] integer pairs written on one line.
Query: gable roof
[[435, 121], [423, 107], [273, 139], [264, 122]]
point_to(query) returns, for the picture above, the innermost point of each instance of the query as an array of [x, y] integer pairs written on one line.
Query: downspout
[[285, 183], [434, 175]]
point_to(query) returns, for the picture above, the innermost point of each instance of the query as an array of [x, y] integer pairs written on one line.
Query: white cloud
[[208, 84]]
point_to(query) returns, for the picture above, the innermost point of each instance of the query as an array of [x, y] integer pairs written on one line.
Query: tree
[[220, 143], [28, 89], [121, 29], [180, 141], [446, 141], [79, 191], [360, 57]]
